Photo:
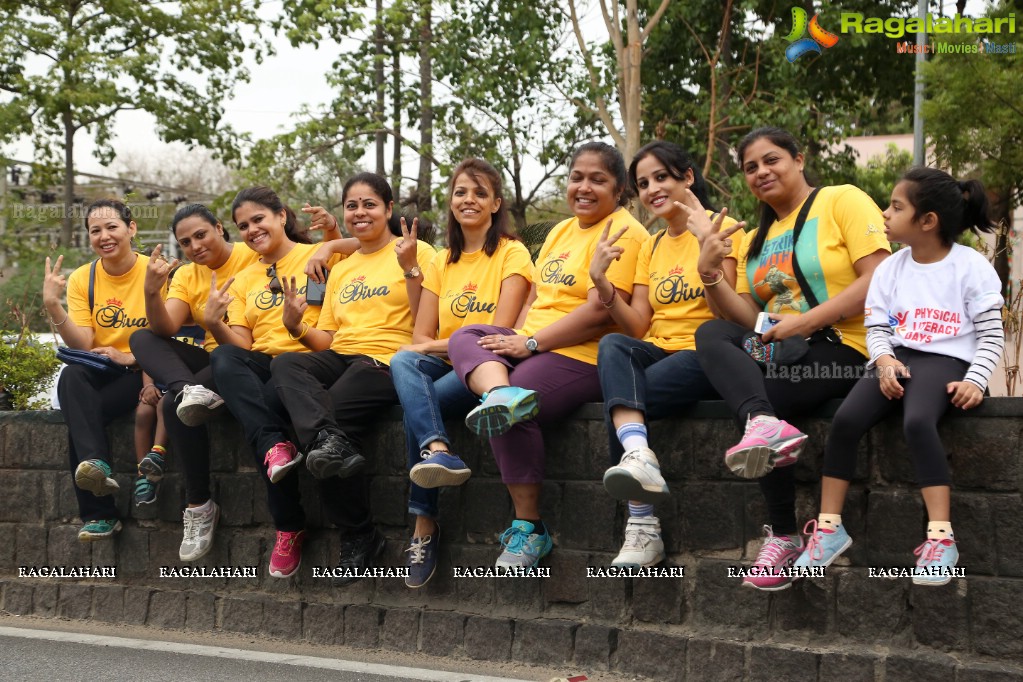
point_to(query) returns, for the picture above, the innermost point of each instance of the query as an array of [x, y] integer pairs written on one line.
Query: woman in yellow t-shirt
[[482, 277], [546, 366], [333, 393], [104, 306], [814, 251], [652, 371], [244, 316]]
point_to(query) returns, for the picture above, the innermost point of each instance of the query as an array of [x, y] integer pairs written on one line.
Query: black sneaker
[[332, 454], [357, 554]]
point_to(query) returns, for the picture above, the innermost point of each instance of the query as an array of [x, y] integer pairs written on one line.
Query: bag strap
[[657, 240], [92, 286], [804, 286]]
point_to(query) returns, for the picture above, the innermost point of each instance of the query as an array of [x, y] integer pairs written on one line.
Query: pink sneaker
[[766, 444], [287, 554], [777, 555], [280, 459]]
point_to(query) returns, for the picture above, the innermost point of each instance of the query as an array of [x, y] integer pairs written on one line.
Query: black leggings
[[924, 402], [175, 365], [827, 371]]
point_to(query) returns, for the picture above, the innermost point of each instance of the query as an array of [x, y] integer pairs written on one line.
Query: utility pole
[[919, 152]]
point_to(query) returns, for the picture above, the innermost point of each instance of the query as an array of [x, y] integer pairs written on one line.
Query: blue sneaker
[[96, 476], [439, 468], [422, 559], [937, 562], [501, 409], [523, 548], [822, 546], [152, 465], [98, 530], [145, 491]]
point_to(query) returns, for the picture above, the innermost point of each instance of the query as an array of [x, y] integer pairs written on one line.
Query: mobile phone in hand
[[315, 291], [764, 322]]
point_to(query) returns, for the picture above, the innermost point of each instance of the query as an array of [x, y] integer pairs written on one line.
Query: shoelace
[[199, 392], [815, 541], [285, 541], [632, 456], [418, 549], [772, 551], [513, 539], [929, 552], [275, 454], [191, 523], [635, 538]]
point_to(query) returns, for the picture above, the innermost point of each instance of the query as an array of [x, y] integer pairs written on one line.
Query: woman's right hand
[[716, 246], [888, 371], [606, 252], [54, 282], [157, 271], [219, 300], [317, 264], [294, 308]]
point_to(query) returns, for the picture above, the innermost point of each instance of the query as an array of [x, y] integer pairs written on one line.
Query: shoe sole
[[659, 561], [945, 580], [327, 466], [839, 552], [280, 472], [777, 588], [91, 537], [759, 460], [621, 486], [508, 568], [200, 555], [94, 480], [197, 414], [278, 574], [140, 503], [497, 420], [437, 475], [371, 556], [151, 470]]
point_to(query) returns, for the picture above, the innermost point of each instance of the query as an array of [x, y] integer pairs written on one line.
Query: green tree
[[70, 65]]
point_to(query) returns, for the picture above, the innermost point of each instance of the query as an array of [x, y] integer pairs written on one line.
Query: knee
[[225, 355], [612, 345], [919, 427], [72, 380], [707, 334], [285, 364], [141, 340], [403, 361]]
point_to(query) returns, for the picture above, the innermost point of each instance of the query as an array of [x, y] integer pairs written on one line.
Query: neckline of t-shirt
[[929, 266]]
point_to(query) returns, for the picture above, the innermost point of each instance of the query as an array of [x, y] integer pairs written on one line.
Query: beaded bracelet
[[611, 301]]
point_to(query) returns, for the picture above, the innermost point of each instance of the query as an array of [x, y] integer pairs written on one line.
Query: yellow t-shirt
[[676, 290], [119, 303], [256, 307], [366, 304], [562, 274], [843, 225], [469, 289], [191, 284]]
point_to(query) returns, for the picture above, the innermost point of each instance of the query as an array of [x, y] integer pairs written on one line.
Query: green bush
[[27, 368]]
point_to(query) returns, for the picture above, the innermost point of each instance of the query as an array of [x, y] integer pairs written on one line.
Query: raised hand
[[217, 303], [606, 251], [320, 218], [716, 245], [406, 248], [698, 222], [54, 282], [157, 271], [295, 306]]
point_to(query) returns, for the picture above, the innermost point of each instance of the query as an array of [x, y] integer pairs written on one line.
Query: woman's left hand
[[788, 325], [965, 394], [150, 395], [407, 247], [295, 306], [125, 359], [510, 346]]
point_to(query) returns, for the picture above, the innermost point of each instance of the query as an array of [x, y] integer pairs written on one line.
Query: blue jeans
[[640, 375], [429, 392]]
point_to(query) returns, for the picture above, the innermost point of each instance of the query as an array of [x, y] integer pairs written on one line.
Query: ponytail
[[959, 205]]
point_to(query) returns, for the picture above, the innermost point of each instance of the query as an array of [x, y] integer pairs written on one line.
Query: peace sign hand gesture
[[54, 282], [716, 245], [606, 252], [406, 248], [698, 222], [158, 271], [219, 300], [295, 306]]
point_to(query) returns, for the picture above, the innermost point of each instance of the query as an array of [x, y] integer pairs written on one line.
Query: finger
[[733, 229], [49, 270], [157, 250], [606, 232], [308, 208], [56, 266], [404, 228], [720, 220], [213, 281], [415, 229], [684, 207], [618, 235], [227, 285]]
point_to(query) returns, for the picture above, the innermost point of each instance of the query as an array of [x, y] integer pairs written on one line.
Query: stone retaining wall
[[845, 626]]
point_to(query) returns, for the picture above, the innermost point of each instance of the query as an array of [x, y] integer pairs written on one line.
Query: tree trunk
[[396, 116], [67, 229], [1001, 216], [378, 83], [633, 86], [518, 205], [424, 201]]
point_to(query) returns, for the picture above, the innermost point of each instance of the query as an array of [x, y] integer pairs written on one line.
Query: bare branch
[[654, 20]]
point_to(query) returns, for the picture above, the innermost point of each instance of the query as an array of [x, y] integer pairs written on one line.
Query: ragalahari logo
[[818, 36]]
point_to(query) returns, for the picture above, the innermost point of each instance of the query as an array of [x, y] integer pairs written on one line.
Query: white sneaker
[[197, 539], [637, 477], [197, 405], [643, 544]]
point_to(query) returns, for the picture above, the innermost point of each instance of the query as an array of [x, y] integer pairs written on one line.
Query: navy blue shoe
[[422, 559], [438, 469]]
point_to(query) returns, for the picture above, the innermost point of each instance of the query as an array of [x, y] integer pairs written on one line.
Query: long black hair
[[197, 210], [676, 161], [483, 174], [959, 205], [264, 196], [781, 138]]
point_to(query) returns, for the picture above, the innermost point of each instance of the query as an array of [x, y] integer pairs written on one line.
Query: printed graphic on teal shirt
[[773, 279]]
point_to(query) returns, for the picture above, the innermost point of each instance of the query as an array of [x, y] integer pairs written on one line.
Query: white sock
[[940, 530]]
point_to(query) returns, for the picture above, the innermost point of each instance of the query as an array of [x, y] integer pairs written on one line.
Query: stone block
[[44, 600], [23, 496], [64, 549], [473, 594], [390, 499], [941, 615], [400, 630], [550, 508], [241, 614], [486, 511], [569, 456], [660, 657], [805, 605], [74, 601], [567, 583], [984, 453], [979, 672], [778, 663], [994, 614], [200, 611], [8, 533], [226, 444], [246, 549], [450, 503], [594, 645], [720, 600], [587, 518], [928, 667], [18, 598], [657, 600], [871, 609], [235, 495], [443, 633], [488, 639], [136, 605], [30, 542], [712, 515], [362, 626], [711, 660], [171, 502], [895, 523], [323, 623], [891, 458], [609, 597], [167, 610], [108, 603], [283, 619], [543, 642], [1007, 520], [709, 439], [519, 596], [133, 552], [971, 519], [848, 667]]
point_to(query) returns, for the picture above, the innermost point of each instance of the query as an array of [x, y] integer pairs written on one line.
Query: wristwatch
[[531, 345], [413, 272]]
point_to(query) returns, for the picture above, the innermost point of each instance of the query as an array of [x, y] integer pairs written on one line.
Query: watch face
[[531, 345]]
